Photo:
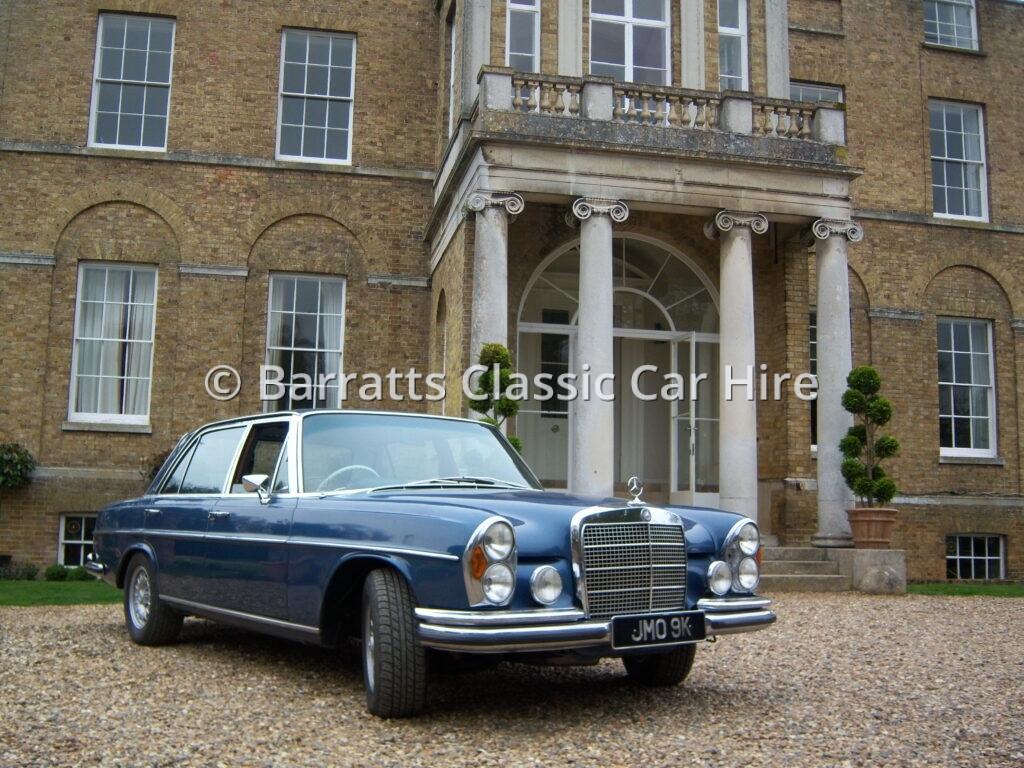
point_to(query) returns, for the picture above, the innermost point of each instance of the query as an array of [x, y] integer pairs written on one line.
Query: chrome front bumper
[[556, 630]]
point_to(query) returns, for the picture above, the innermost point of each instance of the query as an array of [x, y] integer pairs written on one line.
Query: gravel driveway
[[840, 680]]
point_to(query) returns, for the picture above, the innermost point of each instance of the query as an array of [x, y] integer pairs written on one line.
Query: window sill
[[954, 49], [983, 461], [99, 426]]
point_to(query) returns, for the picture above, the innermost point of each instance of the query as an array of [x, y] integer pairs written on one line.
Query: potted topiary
[[863, 450], [490, 399]]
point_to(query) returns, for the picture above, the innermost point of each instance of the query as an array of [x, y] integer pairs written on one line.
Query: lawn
[[966, 589], [57, 593]]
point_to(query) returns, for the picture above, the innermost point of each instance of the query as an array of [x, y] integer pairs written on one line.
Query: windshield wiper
[[453, 481]]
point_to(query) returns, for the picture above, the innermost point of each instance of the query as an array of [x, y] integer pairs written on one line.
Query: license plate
[[660, 629]]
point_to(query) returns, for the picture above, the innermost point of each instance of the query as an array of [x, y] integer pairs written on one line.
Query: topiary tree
[[863, 448], [493, 402]]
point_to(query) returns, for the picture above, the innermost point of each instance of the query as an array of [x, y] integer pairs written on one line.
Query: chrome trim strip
[[732, 604], [335, 544], [498, 639], [495, 618], [733, 623], [189, 605]]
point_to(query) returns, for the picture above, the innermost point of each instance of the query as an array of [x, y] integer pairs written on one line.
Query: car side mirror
[[259, 484]]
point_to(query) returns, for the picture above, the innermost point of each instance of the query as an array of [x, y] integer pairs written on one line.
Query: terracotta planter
[[872, 527]]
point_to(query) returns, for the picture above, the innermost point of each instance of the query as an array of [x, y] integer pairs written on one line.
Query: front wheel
[[394, 663], [149, 621], [661, 669]]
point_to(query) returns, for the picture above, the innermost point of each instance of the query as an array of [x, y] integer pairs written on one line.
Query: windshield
[[343, 451]]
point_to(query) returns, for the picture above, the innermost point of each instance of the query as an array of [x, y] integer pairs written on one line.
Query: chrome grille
[[633, 567]]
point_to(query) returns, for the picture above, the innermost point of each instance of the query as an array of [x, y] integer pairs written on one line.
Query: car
[[425, 540]]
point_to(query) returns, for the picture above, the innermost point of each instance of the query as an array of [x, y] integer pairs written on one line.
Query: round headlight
[[497, 583], [719, 577], [545, 585], [749, 539], [748, 574], [498, 541]]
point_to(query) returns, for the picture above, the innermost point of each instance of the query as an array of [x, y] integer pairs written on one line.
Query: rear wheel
[[394, 663], [661, 669], [149, 621]]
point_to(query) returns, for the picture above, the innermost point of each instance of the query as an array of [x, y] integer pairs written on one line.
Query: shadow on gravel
[[510, 692]]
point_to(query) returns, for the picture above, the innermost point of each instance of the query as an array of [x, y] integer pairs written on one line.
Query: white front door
[[694, 438]]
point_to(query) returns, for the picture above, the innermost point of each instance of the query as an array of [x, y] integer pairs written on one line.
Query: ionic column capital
[[585, 207], [823, 229], [481, 199], [726, 220]]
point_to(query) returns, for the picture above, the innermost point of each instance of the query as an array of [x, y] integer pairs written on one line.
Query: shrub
[[56, 573], [16, 464], [19, 572]]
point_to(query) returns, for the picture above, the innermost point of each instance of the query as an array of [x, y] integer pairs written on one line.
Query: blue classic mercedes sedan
[[420, 538]]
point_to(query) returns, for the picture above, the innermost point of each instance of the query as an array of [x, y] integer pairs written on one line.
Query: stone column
[[737, 456], [489, 323], [592, 469], [835, 359]]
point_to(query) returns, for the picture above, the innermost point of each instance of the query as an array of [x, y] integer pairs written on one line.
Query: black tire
[[394, 662], [661, 669], [149, 620]]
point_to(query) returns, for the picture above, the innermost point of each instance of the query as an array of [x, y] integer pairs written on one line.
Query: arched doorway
[[666, 383]]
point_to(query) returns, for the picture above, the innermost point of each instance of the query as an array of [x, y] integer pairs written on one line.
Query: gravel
[[840, 680]]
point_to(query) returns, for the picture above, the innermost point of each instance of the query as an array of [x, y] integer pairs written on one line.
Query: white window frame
[[951, 31], [111, 347], [523, 11], [734, 33], [316, 97], [333, 389], [956, 555], [970, 162], [814, 92], [67, 525], [969, 355], [102, 80], [630, 22]]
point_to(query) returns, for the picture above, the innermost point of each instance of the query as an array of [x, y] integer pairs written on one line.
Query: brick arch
[[968, 290], [367, 247], [128, 192], [1010, 285]]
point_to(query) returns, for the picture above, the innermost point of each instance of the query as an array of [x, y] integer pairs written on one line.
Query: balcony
[[552, 137]]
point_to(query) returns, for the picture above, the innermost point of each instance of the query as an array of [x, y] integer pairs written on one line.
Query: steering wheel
[[326, 483]]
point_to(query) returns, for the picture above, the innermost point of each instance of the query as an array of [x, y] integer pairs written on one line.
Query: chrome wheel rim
[[140, 598], [369, 649]]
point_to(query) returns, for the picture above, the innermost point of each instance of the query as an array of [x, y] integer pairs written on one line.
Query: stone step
[[804, 583], [799, 567], [793, 553]]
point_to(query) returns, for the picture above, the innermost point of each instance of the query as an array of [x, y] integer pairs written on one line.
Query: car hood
[[541, 518]]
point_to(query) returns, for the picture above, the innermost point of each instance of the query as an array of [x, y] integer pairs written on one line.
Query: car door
[[247, 537], [177, 517]]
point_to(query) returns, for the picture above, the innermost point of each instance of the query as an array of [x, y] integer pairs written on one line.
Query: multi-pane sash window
[[629, 40], [113, 349], [966, 388], [317, 86], [975, 556], [75, 539], [958, 160], [304, 339], [815, 92], [132, 87], [950, 22], [732, 45], [523, 35]]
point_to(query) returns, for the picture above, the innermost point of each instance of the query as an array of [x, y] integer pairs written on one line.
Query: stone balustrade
[[601, 98]]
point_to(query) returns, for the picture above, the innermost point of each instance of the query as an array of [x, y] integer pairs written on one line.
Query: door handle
[[215, 515], [151, 512]]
